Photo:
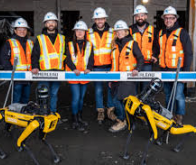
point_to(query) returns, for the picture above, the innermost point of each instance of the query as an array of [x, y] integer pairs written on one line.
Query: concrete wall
[[116, 9]]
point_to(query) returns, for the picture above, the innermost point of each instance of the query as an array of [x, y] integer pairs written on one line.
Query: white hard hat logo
[[119, 26]]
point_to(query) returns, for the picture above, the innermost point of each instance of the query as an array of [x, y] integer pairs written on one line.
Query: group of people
[[100, 48]]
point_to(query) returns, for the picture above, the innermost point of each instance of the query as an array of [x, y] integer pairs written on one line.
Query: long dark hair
[[75, 42]]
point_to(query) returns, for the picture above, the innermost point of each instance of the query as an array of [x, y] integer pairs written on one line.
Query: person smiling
[[79, 58], [49, 55], [126, 57], [174, 42], [21, 47]]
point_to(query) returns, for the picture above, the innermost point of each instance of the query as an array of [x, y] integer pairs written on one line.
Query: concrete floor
[[97, 146]]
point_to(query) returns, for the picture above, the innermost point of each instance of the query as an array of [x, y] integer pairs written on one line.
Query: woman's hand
[[135, 72], [35, 71], [77, 72], [86, 71]]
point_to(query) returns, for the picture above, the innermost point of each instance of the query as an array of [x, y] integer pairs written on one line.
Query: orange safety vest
[[145, 42], [101, 46], [124, 60], [170, 49], [24, 58], [80, 60], [51, 55]]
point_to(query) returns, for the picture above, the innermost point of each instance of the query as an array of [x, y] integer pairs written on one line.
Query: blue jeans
[[119, 108], [145, 68], [53, 91], [99, 91], [179, 99], [21, 93], [78, 91]]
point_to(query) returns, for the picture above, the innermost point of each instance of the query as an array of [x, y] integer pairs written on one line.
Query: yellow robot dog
[[33, 116], [144, 107]]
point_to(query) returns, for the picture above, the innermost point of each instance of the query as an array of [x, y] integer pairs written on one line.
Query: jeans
[[145, 68], [53, 92], [21, 93], [179, 99], [119, 108], [78, 91], [99, 91]]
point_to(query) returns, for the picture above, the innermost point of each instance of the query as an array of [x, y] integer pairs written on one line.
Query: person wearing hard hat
[[174, 42], [101, 35], [126, 57], [80, 57], [20, 47], [49, 55], [146, 37]]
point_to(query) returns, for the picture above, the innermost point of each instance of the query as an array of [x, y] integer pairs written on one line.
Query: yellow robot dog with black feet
[[145, 108], [33, 116]]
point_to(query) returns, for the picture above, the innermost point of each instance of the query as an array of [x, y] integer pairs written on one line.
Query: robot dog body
[[145, 108], [31, 117]]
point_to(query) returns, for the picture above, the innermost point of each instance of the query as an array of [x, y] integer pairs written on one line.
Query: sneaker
[[119, 126]]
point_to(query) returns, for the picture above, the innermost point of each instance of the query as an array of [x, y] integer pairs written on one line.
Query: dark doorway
[[159, 24], [68, 19], [11, 16]]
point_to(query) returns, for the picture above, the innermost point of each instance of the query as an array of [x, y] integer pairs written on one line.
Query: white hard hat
[[80, 25], [20, 22], [120, 25], [170, 10], [50, 16], [99, 13], [140, 9]]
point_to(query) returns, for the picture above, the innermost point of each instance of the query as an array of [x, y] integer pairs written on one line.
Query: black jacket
[[187, 47], [70, 63], [6, 51], [36, 49], [155, 48]]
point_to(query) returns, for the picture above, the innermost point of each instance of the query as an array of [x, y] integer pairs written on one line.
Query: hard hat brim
[[100, 17], [177, 16], [139, 13], [80, 29], [121, 29], [50, 20]]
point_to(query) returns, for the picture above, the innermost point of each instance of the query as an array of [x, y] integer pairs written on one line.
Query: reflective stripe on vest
[[170, 49], [145, 42], [24, 58], [123, 56], [87, 53], [52, 56], [101, 46]]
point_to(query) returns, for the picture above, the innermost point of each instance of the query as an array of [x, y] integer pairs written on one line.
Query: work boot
[[76, 124], [110, 113], [80, 120], [100, 115], [179, 119], [119, 126]]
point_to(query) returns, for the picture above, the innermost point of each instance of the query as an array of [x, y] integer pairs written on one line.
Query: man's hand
[[154, 59], [35, 71], [135, 72], [77, 72], [86, 71]]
